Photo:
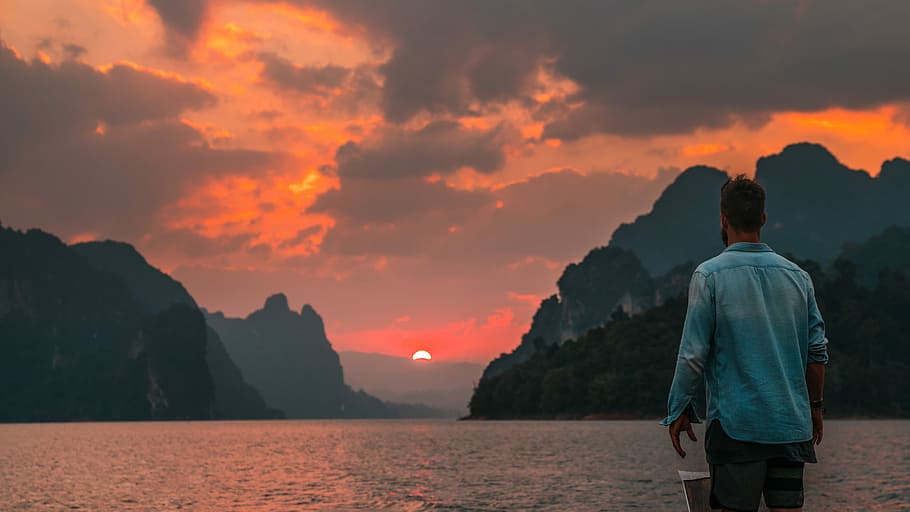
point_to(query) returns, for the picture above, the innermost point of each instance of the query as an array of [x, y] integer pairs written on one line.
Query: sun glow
[[421, 355]]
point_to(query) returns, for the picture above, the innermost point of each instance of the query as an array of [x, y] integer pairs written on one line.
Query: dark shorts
[[740, 486]]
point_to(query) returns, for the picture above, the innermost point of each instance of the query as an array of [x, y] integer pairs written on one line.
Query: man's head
[[742, 209]]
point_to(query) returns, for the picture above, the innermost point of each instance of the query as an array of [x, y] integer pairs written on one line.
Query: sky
[[420, 171]]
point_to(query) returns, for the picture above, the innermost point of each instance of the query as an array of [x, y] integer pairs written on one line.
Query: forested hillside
[[624, 368]]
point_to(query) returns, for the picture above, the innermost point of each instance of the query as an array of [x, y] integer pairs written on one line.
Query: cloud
[[78, 144], [182, 19], [440, 147], [394, 216], [304, 79], [339, 89], [641, 68], [567, 212]]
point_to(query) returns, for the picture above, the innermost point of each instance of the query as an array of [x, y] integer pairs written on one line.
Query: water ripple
[[407, 465]]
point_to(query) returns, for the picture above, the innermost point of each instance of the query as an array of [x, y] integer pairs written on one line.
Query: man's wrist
[[817, 404]]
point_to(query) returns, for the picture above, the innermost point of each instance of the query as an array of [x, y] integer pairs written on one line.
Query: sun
[[421, 355]]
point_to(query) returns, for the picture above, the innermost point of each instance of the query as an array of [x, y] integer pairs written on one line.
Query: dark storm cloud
[[184, 16], [40, 101], [568, 211], [74, 51], [344, 90], [388, 201], [644, 67], [305, 79], [182, 20], [395, 217], [449, 56], [77, 144], [441, 146]]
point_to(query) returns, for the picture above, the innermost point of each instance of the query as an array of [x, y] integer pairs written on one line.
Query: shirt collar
[[749, 247]]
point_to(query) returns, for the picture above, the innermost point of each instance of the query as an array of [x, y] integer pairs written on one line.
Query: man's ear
[[764, 218], [723, 221]]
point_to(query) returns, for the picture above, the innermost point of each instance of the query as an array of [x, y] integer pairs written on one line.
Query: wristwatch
[[817, 404]]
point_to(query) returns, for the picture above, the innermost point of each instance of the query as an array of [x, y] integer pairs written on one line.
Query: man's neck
[[735, 236]]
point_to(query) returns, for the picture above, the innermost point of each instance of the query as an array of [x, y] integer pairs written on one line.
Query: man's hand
[[682, 424], [817, 426]]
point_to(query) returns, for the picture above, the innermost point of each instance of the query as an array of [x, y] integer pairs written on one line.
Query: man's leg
[[737, 487], [783, 487]]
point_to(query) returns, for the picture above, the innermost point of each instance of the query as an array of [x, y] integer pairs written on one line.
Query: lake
[[407, 465]]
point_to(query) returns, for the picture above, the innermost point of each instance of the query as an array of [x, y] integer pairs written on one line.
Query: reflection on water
[[407, 465]]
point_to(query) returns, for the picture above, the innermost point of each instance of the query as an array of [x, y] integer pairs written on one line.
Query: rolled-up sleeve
[[818, 342], [694, 346]]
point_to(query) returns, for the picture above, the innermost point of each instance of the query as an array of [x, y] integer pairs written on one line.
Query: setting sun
[[421, 355]]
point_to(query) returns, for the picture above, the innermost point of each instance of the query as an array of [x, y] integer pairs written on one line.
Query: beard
[[723, 236]]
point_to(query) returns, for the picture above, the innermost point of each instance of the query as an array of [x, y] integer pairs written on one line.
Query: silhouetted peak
[[699, 173], [312, 320], [307, 311], [693, 182], [277, 302], [805, 158], [39, 234], [808, 150], [113, 248], [895, 169], [692, 178]]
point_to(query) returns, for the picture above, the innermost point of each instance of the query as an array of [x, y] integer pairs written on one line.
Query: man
[[753, 332]]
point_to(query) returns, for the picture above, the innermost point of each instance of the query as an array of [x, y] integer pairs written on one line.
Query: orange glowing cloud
[[310, 19], [851, 123], [167, 75], [230, 41], [272, 208]]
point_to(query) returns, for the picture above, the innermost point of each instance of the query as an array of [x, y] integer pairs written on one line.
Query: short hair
[[742, 201]]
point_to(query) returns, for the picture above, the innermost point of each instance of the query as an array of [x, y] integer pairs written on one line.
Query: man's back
[[756, 366]]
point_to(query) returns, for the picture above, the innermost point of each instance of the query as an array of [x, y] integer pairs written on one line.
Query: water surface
[[407, 465]]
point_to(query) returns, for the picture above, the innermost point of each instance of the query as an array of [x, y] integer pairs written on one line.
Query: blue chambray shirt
[[751, 328]]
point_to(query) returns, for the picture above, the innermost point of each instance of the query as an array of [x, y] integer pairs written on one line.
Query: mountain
[[683, 225], [157, 291], [440, 384], [153, 288], [589, 292], [815, 206], [287, 356], [624, 368], [887, 250], [76, 344]]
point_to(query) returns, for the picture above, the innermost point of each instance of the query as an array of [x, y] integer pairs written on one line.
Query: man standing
[[753, 332]]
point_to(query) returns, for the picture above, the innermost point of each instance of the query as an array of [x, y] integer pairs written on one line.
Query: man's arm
[[818, 343], [815, 369], [698, 332], [815, 381]]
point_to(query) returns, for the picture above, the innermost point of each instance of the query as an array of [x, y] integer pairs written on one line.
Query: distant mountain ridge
[[815, 206], [158, 291], [94, 332], [624, 368], [589, 291], [288, 357], [75, 343]]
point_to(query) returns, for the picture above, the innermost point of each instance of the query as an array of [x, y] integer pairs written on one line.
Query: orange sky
[[460, 269]]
